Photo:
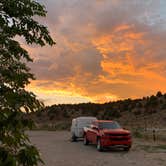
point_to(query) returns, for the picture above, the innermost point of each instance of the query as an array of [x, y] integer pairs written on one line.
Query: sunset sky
[[106, 50]]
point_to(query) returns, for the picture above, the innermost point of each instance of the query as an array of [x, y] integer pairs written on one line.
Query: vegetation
[[17, 19], [136, 114], [153, 148]]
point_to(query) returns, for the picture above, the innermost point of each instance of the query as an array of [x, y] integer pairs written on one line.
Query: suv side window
[[94, 124]]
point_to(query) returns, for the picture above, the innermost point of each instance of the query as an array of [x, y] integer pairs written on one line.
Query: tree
[[159, 94], [17, 19]]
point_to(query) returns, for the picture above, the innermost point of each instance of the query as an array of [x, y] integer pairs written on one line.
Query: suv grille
[[119, 137]]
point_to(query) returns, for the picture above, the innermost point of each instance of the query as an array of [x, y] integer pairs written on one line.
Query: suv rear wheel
[[86, 141]]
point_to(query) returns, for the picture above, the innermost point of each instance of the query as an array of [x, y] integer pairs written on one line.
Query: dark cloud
[[104, 47]]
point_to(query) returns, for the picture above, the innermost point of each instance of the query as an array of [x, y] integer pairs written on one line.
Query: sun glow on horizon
[[53, 96]]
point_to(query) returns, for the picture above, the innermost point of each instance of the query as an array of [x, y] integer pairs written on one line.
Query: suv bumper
[[120, 143]]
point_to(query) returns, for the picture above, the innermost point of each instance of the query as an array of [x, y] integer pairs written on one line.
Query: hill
[[147, 112]]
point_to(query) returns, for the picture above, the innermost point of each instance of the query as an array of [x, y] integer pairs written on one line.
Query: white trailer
[[78, 124]]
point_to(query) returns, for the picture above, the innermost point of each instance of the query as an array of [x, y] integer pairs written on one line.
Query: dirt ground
[[57, 150]]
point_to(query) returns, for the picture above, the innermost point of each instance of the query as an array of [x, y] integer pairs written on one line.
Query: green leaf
[[17, 19]]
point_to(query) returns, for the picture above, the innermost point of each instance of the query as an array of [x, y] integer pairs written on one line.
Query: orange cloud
[[110, 52], [51, 95]]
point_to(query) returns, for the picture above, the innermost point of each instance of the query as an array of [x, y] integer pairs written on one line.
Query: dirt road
[[57, 150]]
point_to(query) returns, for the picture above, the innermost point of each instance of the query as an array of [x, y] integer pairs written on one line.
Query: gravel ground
[[57, 150]]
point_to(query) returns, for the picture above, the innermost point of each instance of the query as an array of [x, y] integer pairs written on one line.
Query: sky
[[106, 50]]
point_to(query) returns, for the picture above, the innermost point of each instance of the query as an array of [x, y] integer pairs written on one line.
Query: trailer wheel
[[74, 138]]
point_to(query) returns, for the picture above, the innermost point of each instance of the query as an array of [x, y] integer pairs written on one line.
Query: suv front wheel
[[99, 145], [126, 149]]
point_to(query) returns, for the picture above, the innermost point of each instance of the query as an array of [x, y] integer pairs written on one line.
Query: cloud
[[105, 50]]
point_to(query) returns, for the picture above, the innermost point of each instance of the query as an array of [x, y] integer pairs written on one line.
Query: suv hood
[[115, 131]]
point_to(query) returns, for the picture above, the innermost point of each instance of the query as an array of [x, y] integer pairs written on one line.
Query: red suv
[[106, 133]]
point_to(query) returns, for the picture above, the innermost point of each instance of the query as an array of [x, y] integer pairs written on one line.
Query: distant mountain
[[148, 112]]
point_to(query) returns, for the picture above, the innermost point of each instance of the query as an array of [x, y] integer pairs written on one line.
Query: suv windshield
[[109, 125]]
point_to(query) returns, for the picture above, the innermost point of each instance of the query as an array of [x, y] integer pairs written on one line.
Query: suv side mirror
[[95, 128]]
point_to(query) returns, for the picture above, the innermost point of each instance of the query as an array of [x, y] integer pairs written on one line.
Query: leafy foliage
[[17, 19]]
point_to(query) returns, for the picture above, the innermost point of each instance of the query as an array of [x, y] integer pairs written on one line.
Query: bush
[[138, 134]]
